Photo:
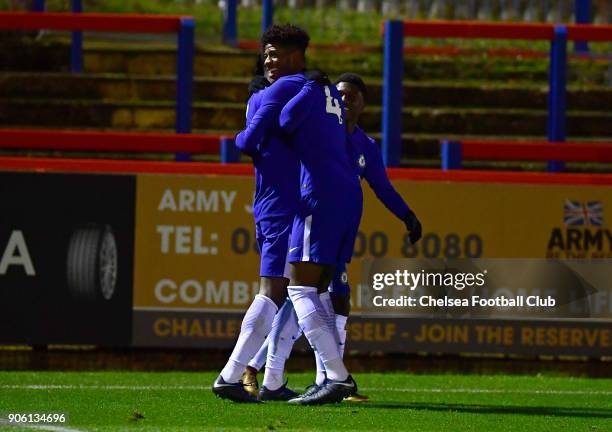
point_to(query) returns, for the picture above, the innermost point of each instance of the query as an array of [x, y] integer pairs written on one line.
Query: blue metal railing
[[38, 6], [230, 22], [583, 16], [557, 101], [184, 75], [76, 47], [267, 14], [392, 93]]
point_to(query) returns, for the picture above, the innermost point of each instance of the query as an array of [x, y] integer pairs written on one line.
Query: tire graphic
[[92, 262]]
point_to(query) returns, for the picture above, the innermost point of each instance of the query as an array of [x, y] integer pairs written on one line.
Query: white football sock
[[256, 325], [341, 328], [329, 312], [312, 320], [327, 303], [273, 379], [259, 360], [285, 331], [320, 378]]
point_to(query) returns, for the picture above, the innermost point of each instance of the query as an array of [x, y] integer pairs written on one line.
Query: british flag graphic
[[583, 213]]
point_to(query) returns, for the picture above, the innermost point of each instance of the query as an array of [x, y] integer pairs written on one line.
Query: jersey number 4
[[332, 105]]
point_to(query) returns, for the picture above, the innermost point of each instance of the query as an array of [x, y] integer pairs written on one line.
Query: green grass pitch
[[139, 401]]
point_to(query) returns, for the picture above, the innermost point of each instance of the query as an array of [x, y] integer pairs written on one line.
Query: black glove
[[413, 226], [259, 82], [317, 75]]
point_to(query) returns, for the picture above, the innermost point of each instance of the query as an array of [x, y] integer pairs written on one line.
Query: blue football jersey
[[277, 168], [314, 119]]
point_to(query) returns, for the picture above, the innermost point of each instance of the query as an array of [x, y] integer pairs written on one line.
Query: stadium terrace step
[[53, 55], [228, 89], [67, 86], [216, 115], [131, 87]]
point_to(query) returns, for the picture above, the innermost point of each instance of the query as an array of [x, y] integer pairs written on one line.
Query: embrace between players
[[309, 156]]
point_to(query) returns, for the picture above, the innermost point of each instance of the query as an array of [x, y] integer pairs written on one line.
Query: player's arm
[[266, 117], [297, 109], [251, 108], [376, 176], [246, 141]]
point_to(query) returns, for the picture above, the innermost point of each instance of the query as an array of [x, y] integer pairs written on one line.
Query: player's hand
[[413, 226], [317, 75], [259, 82]]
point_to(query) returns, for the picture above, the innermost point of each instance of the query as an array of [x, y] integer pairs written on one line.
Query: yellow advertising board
[[196, 262], [195, 243]]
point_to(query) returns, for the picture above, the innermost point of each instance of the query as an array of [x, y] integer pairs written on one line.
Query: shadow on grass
[[496, 409]]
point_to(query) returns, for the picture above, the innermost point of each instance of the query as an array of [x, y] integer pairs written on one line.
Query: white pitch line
[[44, 427], [490, 391], [100, 387], [375, 389]]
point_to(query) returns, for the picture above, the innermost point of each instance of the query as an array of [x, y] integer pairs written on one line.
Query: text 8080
[[432, 245]]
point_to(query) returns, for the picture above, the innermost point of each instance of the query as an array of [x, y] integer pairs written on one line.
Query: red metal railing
[[199, 168], [454, 152], [182, 145]]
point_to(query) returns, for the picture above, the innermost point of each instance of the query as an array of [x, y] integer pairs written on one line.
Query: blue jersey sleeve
[[252, 106], [376, 176], [266, 118], [297, 109]]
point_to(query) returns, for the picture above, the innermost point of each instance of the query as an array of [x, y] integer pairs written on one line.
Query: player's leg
[[339, 296], [340, 289], [315, 246], [257, 321], [256, 325], [285, 331], [340, 292], [320, 332], [272, 287], [259, 361], [329, 311], [249, 377]]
